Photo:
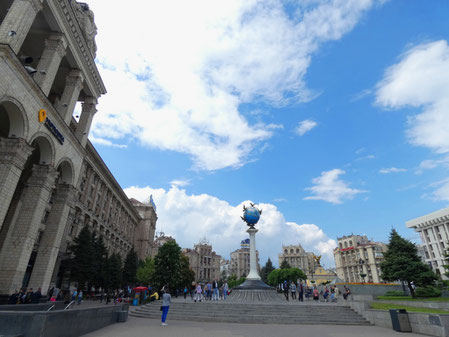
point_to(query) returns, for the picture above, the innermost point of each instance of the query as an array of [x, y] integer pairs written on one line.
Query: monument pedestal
[[253, 280]]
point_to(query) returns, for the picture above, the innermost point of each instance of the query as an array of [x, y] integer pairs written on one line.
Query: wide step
[[260, 314]]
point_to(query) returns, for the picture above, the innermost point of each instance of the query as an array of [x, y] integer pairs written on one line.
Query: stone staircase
[[273, 313]]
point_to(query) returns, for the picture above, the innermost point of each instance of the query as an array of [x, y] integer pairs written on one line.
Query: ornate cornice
[[74, 29]]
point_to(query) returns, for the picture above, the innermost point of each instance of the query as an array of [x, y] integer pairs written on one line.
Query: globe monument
[[251, 216]]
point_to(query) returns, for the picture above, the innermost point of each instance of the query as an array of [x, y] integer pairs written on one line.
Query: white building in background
[[356, 256], [433, 229]]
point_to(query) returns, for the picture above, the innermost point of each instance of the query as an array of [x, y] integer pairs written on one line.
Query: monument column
[[253, 273], [14, 153], [22, 235], [52, 237]]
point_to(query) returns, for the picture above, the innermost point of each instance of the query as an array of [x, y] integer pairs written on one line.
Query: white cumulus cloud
[[330, 188], [421, 80], [392, 170], [189, 218], [178, 71], [305, 126]]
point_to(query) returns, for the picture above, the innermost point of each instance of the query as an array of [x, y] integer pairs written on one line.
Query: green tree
[[233, 281], [266, 270], [81, 265], [113, 272], [99, 262], [145, 271], [187, 274], [284, 265], [278, 276], [129, 274], [167, 265], [403, 263]]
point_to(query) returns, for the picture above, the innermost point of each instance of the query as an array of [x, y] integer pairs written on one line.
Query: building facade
[[433, 229], [52, 181], [204, 262], [240, 260], [356, 256], [159, 240], [297, 257]]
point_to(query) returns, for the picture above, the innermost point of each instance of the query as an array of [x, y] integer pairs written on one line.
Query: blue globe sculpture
[[251, 215]]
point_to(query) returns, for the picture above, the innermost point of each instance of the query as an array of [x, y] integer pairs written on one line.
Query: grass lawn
[[388, 306], [408, 298]]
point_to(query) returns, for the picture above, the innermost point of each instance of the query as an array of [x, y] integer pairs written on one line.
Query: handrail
[[69, 305], [51, 308]]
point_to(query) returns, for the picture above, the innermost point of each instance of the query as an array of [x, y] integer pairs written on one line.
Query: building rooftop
[[442, 214]]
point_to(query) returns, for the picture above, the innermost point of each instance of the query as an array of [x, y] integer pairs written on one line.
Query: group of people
[[25, 296], [211, 291], [327, 294]]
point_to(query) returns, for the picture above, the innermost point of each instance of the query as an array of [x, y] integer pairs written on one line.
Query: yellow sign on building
[[42, 115]]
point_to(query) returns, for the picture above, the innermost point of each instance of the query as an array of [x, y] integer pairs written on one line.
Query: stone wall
[[63, 323], [370, 289]]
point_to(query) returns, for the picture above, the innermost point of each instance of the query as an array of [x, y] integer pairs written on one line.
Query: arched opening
[[11, 120], [65, 173]]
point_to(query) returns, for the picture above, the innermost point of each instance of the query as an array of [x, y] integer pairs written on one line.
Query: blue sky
[[331, 114]]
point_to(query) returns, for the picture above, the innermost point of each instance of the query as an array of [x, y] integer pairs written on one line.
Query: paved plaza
[[144, 327]]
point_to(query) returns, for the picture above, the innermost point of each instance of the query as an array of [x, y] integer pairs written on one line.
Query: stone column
[[18, 21], [55, 49], [253, 274], [73, 86], [87, 114], [22, 235], [13, 156], [52, 237]]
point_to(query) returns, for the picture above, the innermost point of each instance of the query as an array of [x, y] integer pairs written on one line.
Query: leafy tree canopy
[[403, 263], [284, 265], [130, 268], [167, 265], [146, 271], [278, 276], [266, 270], [82, 267]]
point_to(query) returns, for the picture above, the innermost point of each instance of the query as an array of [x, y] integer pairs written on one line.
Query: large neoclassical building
[[52, 180]]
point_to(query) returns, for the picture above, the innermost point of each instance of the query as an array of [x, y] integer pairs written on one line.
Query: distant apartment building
[[240, 260], [297, 257], [433, 229], [356, 256], [204, 262]]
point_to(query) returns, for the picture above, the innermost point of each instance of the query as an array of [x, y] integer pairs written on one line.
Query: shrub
[[427, 292], [394, 293]]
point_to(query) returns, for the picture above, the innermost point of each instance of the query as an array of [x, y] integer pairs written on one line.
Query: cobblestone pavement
[[144, 327]]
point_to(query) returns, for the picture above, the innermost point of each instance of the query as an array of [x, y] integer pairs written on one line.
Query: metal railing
[[69, 305]]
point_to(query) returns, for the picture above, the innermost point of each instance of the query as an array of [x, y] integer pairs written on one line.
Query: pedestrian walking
[[300, 291], [346, 292], [215, 290], [185, 292], [198, 292], [293, 290], [80, 297], [285, 287], [225, 290], [166, 300]]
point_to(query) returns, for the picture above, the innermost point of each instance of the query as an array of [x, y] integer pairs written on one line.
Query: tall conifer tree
[[403, 263]]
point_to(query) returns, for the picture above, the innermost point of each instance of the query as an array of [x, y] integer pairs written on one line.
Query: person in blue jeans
[[166, 300]]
